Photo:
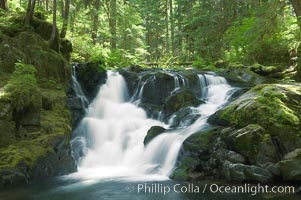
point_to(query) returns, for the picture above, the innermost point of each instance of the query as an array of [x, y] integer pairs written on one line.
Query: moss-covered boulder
[[179, 99], [275, 107], [30, 48], [194, 157], [245, 141], [270, 71], [242, 76], [153, 132]]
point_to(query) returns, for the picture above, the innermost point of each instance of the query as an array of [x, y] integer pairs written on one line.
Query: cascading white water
[[116, 130], [77, 89], [163, 150]]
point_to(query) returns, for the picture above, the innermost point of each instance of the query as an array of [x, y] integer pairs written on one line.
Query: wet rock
[[242, 173], [153, 132], [223, 155], [270, 71], [184, 117], [155, 87], [91, 77], [242, 77], [131, 78], [290, 166], [180, 98], [246, 141]]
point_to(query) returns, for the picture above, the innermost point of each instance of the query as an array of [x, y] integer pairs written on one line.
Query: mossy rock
[[271, 71], [66, 49], [200, 141], [10, 55], [153, 132], [246, 141], [243, 77], [182, 172], [180, 99], [7, 133], [275, 107]]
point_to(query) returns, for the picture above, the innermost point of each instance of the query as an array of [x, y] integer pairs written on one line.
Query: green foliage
[[22, 87], [263, 37], [100, 60], [201, 64], [119, 58]]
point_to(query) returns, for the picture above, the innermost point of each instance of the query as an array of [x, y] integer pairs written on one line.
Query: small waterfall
[[163, 150], [116, 129], [177, 82], [78, 89]]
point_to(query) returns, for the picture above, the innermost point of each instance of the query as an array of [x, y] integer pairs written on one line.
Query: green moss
[[22, 90], [181, 99], [153, 132], [274, 107], [200, 141], [54, 122], [266, 105], [23, 152], [246, 141], [182, 172]]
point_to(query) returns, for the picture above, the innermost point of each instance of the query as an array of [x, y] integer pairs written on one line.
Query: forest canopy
[[126, 32]]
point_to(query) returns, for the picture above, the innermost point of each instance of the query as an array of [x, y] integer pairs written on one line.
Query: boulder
[[153, 132], [91, 76], [222, 155], [131, 78], [184, 117], [155, 87], [194, 157], [290, 166], [275, 107], [242, 76], [270, 71], [180, 98], [243, 173], [245, 141]]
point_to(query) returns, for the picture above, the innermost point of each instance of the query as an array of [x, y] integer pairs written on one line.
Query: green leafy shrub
[[100, 60], [119, 58]]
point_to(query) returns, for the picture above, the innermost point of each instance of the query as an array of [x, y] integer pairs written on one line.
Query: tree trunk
[[95, 22], [47, 6], [179, 29], [29, 12], [52, 40], [172, 27], [166, 28], [3, 5], [297, 8], [113, 24], [65, 18]]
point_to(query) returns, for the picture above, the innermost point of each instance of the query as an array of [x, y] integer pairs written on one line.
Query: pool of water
[[68, 189]]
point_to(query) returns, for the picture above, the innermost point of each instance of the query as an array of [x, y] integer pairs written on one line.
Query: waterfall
[[78, 89], [115, 130]]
